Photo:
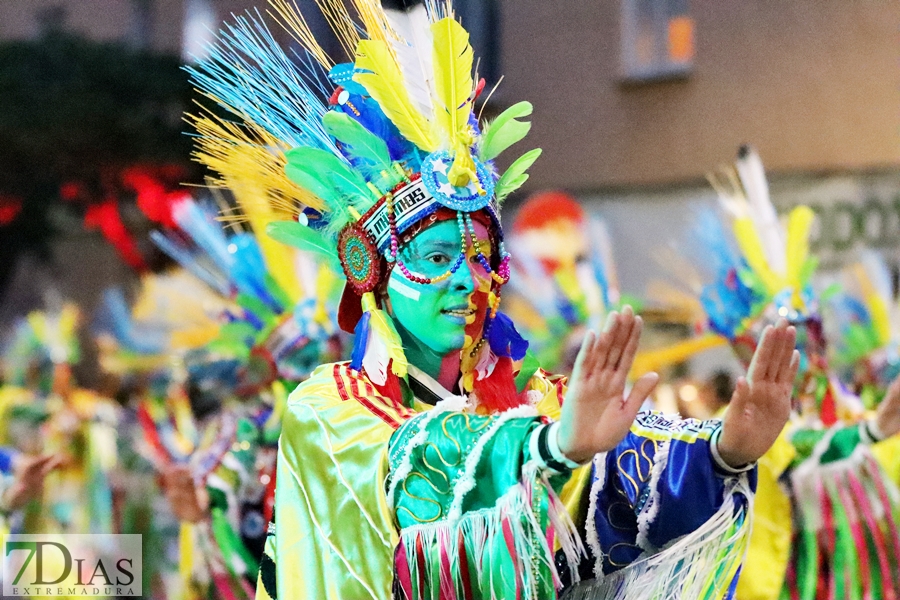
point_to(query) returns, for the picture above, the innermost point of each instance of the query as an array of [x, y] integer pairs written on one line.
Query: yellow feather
[[374, 20], [279, 257], [341, 23], [385, 84], [799, 224], [653, 360], [748, 240], [380, 322], [246, 152], [292, 20], [453, 58], [877, 306]]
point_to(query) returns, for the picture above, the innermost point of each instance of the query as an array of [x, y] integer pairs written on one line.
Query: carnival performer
[[430, 464], [824, 517], [53, 416], [21, 481], [862, 324], [232, 332]]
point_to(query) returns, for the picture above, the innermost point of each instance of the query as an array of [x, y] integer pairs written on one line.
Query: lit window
[[657, 39]]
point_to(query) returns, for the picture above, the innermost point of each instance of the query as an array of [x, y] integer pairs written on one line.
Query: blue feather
[[177, 251], [249, 269], [360, 342], [504, 339], [200, 224], [114, 317]]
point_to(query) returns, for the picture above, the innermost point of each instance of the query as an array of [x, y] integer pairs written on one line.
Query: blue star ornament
[[435, 168]]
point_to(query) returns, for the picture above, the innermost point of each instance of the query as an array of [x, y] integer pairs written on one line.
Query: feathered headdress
[[564, 275], [356, 154], [772, 269], [43, 338], [266, 324], [863, 327], [769, 277]]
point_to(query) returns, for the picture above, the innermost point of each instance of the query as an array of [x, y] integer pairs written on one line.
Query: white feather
[[753, 179], [486, 363], [375, 360], [413, 48]]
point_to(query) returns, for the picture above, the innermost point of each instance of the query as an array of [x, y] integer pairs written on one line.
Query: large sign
[[851, 212]]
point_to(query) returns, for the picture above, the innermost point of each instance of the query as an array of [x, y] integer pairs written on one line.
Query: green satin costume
[[334, 534]]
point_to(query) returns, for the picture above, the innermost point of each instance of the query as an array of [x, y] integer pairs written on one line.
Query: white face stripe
[[401, 288]]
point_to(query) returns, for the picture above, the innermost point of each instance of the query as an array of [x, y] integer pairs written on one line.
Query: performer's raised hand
[[761, 403], [189, 501], [29, 473], [887, 417], [596, 415]]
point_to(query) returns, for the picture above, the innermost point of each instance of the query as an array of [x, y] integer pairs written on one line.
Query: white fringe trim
[[482, 527], [689, 567], [593, 537], [466, 481], [449, 404], [651, 508]]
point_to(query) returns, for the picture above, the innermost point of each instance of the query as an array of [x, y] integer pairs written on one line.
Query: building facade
[[635, 100]]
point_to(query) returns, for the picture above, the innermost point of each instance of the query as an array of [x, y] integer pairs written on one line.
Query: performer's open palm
[[761, 403], [29, 473], [596, 415]]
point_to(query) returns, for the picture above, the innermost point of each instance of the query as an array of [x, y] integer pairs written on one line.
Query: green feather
[[327, 167], [516, 175], [277, 292], [313, 181], [504, 131], [257, 307], [358, 140], [300, 236]]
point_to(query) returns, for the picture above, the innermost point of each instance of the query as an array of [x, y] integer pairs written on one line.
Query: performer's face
[[438, 315]]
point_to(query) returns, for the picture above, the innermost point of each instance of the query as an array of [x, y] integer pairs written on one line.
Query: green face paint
[[432, 318]]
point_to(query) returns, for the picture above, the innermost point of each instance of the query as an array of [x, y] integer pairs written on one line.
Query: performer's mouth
[[459, 312]]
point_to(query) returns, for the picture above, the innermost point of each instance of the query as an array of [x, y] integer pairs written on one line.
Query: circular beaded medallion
[[435, 168], [359, 258]]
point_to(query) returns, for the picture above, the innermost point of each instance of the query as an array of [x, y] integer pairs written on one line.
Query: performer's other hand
[[596, 415], [887, 418], [29, 472], [761, 403], [188, 500]]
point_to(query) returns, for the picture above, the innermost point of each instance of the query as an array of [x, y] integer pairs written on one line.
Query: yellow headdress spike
[[453, 58]]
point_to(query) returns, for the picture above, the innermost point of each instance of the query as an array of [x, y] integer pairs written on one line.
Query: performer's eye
[[438, 258]]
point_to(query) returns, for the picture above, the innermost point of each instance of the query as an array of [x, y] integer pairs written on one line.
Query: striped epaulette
[[355, 385]]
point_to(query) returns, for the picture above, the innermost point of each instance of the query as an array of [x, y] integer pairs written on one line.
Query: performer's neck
[[442, 368]]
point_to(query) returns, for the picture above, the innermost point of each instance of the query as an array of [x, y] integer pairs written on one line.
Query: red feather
[[497, 392]]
